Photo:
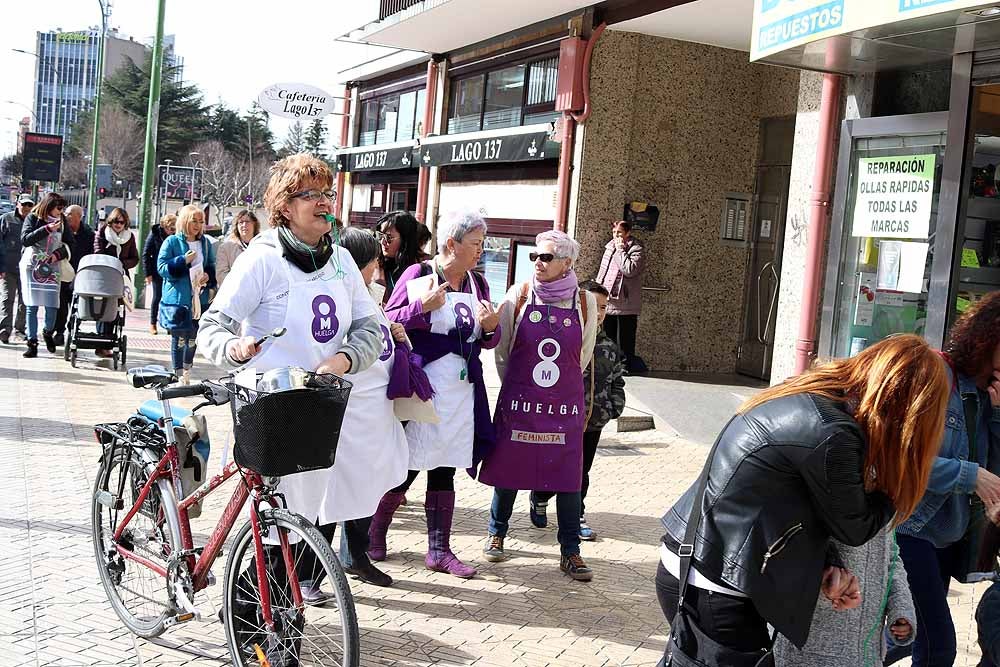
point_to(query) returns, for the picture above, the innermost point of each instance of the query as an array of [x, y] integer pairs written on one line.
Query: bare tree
[[121, 142]]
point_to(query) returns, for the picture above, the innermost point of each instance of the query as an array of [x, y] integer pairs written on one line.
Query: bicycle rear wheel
[[312, 635], [137, 594]]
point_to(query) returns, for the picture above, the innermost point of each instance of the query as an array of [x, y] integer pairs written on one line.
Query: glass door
[[883, 231]]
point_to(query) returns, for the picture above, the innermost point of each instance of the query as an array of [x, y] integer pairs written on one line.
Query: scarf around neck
[[306, 258], [115, 239], [559, 289]]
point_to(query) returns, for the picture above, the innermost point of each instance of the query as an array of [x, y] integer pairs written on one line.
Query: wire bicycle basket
[[285, 432]]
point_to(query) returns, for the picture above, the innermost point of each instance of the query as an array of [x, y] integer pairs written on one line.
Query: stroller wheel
[[72, 358], [114, 361], [123, 345]]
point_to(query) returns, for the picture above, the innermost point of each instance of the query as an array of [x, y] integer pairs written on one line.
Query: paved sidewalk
[[522, 613]]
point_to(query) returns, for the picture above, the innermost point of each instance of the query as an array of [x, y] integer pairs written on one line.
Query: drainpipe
[[819, 221], [345, 137], [424, 175], [567, 135]]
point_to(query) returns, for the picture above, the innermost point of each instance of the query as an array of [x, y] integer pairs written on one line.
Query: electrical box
[[569, 86], [735, 218]]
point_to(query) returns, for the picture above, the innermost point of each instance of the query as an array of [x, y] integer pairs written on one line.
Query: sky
[[232, 49]]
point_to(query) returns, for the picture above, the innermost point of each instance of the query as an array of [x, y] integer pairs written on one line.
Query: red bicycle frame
[[168, 467]]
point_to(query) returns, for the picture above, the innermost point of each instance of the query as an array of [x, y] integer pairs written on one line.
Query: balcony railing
[[390, 7]]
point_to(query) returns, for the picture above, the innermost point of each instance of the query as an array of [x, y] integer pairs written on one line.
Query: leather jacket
[[786, 477]]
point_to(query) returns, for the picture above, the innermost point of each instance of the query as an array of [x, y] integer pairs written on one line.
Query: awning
[[399, 155], [515, 144]]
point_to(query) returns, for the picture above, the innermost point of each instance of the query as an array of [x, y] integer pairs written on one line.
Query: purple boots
[[380, 524], [439, 506]]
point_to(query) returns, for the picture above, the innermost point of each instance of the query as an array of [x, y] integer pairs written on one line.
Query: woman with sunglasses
[[549, 327], [41, 237], [114, 238], [445, 307], [187, 265], [398, 232], [295, 276]]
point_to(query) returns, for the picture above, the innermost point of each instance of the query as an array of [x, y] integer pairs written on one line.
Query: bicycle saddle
[[150, 376]]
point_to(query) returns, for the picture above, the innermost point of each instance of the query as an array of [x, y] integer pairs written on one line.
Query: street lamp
[[92, 180], [27, 108], [55, 80]]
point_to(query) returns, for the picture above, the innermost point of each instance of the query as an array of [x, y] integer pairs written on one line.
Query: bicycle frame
[[168, 467]]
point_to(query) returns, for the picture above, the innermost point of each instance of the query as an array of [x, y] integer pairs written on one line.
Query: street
[[523, 612]]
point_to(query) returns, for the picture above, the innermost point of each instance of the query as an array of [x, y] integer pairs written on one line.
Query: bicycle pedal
[[209, 579], [110, 500], [181, 618]]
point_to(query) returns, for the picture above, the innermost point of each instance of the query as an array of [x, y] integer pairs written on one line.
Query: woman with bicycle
[[295, 276], [43, 252], [446, 310]]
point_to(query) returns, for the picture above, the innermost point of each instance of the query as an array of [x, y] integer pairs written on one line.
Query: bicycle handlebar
[[213, 392]]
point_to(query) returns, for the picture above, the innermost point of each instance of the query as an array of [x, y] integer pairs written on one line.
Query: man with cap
[[10, 255]]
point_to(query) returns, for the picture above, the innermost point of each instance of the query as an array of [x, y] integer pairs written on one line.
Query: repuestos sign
[[894, 196], [296, 100]]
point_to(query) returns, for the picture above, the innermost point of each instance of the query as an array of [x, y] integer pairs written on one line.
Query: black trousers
[[65, 301], [731, 621], [307, 567], [621, 329], [438, 479], [154, 307], [590, 441]]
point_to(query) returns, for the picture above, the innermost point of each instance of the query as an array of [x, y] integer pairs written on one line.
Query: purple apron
[[540, 412]]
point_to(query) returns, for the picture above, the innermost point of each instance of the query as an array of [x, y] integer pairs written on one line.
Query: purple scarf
[[552, 291]]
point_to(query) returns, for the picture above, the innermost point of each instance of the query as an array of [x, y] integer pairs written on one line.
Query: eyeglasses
[[385, 238], [545, 256], [118, 223], [315, 195]]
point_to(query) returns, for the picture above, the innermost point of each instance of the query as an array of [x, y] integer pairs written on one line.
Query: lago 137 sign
[[296, 100]]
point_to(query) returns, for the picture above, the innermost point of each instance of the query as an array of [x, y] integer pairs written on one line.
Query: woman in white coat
[[295, 276]]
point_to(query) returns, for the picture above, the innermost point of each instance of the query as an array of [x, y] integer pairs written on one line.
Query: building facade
[[66, 72], [575, 114]]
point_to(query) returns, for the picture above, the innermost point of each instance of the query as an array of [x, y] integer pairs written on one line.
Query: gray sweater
[[856, 637]]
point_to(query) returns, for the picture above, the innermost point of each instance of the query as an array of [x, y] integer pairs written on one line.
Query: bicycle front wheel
[[325, 634], [137, 593]]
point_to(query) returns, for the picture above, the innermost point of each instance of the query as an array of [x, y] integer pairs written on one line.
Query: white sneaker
[[186, 377]]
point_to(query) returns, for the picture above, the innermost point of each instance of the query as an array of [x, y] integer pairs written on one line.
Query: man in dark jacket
[[79, 238], [10, 256], [150, 252]]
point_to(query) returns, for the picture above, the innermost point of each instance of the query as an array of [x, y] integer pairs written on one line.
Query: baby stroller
[[98, 296]]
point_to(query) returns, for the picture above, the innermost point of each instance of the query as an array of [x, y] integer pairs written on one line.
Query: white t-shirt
[[199, 257], [256, 288], [672, 563]]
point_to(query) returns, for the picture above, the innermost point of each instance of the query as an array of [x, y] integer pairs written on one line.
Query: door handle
[[764, 331]]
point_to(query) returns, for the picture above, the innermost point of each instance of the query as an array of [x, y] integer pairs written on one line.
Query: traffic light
[[102, 192]]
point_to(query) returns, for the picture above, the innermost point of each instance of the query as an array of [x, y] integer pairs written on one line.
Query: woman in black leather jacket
[[833, 453]]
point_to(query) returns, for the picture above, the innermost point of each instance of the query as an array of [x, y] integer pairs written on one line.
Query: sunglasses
[[315, 195], [545, 256]]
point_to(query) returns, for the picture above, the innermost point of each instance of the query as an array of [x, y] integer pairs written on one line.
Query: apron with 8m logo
[[540, 411]]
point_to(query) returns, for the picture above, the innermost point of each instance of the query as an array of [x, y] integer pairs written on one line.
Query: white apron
[[372, 456], [317, 317], [39, 279], [449, 442]]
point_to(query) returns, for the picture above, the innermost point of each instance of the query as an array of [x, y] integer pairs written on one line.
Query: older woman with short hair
[[448, 315], [245, 228], [549, 328]]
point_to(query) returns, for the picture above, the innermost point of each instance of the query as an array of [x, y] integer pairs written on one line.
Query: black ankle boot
[[50, 341], [32, 351], [368, 573]]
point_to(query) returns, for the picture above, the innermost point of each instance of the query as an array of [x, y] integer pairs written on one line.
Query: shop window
[[887, 248], [495, 265], [504, 98], [521, 94], [466, 105], [393, 117]]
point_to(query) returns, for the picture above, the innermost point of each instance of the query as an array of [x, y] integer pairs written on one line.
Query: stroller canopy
[[100, 275]]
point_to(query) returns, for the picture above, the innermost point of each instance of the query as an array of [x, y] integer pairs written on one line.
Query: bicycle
[[148, 564]]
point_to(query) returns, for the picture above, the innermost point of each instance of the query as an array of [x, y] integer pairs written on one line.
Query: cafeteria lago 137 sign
[[894, 195], [779, 25], [296, 100]]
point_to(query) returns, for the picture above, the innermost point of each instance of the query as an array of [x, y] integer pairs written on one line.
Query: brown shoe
[[104, 354], [576, 568]]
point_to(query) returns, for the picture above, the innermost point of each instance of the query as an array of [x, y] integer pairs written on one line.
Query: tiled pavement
[[523, 612]]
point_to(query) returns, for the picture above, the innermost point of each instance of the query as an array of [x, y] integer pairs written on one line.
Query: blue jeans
[[31, 318], [567, 514], [182, 348], [928, 570]]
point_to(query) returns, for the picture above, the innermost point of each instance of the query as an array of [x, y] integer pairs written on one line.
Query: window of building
[[393, 117], [521, 94]]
